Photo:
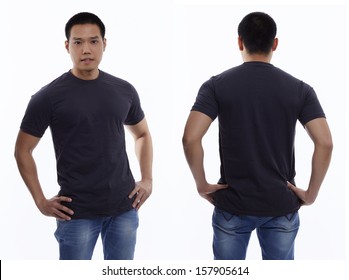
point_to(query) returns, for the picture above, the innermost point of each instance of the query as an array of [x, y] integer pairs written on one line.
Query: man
[[257, 106], [86, 110]]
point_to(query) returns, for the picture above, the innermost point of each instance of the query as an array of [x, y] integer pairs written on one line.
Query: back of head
[[257, 31], [84, 18]]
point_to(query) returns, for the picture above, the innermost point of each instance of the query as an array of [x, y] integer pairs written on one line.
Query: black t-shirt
[[87, 118], [257, 106]]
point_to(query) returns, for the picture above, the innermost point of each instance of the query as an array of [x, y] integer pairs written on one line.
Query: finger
[[63, 210], [136, 201], [65, 199], [299, 193], [62, 207], [134, 192], [57, 207], [221, 186], [61, 216], [139, 200], [291, 186], [138, 205], [216, 187], [66, 210], [64, 218]]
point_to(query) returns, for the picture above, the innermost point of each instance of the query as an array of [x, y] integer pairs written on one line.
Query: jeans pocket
[[226, 220], [227, 216], [288, 222], [291, 216]]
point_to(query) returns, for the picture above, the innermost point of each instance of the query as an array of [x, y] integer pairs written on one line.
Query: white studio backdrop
[[167, 49]]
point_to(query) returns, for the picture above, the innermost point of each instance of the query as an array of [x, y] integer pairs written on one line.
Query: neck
[[256, 57], [85, 74]]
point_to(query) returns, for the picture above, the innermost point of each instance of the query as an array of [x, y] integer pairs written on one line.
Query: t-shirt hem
[[204, 112], [313, 117], [260, 214], [104, 215], [134, 122], [28, 131]]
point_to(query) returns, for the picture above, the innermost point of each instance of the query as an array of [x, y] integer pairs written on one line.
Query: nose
[[86, 48]]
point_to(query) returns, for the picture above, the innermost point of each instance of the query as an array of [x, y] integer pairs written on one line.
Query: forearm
[[27, 168], [194, 154], [195, 129], [320, 163], [144, 153]]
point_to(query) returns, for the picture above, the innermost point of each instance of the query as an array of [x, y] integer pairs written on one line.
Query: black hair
[[84, 18], [257, 31]]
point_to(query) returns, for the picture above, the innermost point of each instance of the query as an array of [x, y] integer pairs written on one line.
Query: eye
[[77, 43], [94, 41]]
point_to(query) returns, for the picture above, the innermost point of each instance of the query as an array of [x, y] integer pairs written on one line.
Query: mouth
[[87, 60]]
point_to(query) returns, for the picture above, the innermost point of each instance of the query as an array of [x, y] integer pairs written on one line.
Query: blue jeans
[[232, 233], [77, 238]]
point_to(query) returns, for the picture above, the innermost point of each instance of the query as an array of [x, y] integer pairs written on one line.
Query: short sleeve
[[206, 102], [311, 108], [135, 114], [37, 115]]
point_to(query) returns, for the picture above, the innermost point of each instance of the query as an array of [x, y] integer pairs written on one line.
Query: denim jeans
[[232, 233], [77, 238]]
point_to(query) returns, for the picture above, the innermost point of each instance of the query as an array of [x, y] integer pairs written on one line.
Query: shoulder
[[228, 76], [112, 80], [287, 75], [208, 87], [61, 81], [228, 73]]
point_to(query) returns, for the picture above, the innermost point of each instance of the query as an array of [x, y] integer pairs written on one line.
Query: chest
[[89, 106]]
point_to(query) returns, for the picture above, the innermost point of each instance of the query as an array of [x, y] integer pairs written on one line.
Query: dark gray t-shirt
[[257, 106], [87, 119]]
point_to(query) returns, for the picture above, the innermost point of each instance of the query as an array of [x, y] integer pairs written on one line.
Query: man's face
[[86, 47]]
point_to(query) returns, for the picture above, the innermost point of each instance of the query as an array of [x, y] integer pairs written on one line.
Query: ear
[[104, 44], [240, 44], [67, 45], [275, 44]]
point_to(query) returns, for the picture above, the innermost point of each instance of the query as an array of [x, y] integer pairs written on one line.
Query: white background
[[167, 49]]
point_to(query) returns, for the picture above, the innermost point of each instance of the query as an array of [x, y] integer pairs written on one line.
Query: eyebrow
[[91, 38]]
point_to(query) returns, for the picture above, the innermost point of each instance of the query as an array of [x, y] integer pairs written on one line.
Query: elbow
[[18, 157], [326, 145], [184, 141], [21, 154], [330, 146], [16, 154], [190, 144]]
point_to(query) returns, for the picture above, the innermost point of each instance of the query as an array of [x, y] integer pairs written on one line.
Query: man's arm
[[320, 134], [24, 148], [195, 129], [144, 153]]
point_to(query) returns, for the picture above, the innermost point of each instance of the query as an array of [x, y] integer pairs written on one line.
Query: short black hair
[[84, 18], [257, 31]]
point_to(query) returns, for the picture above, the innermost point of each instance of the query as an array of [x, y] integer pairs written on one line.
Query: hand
[[302, 194], [140, 193], [208, 190], [54, 208]]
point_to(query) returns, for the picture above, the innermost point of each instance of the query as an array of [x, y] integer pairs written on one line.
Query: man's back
[[258, 106]]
